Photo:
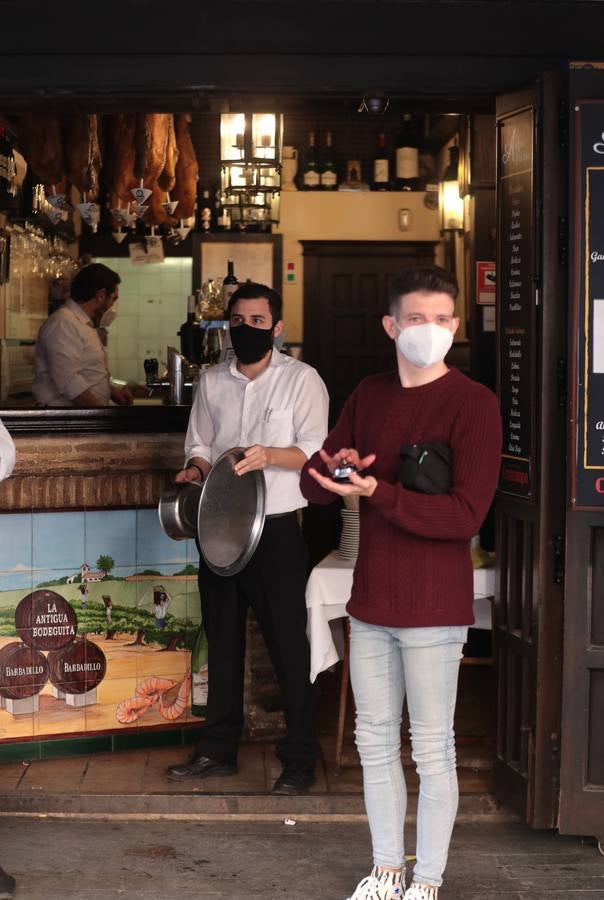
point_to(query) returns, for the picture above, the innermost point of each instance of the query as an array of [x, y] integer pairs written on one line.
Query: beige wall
[[343, 216]]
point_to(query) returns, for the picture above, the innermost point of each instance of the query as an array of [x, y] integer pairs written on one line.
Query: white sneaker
[[380, 886], [421, 892]]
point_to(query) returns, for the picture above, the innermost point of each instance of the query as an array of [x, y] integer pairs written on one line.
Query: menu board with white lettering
[[588, 307], [516, 302]]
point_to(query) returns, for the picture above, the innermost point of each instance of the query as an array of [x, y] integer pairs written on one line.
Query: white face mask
[[107, 318], [424, 345]]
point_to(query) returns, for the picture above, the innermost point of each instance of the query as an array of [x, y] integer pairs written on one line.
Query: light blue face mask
[[424, 345]]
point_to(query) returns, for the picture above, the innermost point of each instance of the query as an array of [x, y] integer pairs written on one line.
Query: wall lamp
[[451, 204]]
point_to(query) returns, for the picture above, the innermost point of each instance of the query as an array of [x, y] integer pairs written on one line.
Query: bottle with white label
[[329, 177], [199, 674], [381, 166], [310, 175], [407, 156]]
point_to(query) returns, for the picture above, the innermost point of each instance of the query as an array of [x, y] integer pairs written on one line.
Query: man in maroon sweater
[[412, 594]]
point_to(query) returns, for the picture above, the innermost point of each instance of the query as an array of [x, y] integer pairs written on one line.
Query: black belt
[[292, 512]]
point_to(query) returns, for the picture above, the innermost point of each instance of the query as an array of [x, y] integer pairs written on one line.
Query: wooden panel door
[[345, 289], [582, 769], [530, 503]]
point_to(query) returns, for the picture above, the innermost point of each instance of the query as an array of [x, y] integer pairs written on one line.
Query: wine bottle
[[381, 166], [407, 150], [310, 176], [199, 674], [229, 284], [191, 334], [329, 177]]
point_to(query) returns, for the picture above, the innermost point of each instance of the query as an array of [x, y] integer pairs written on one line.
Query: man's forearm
[[86, 398], [203, 464], [287, 458]]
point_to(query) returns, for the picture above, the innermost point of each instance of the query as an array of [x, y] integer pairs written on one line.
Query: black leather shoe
[[200, 767], [294, 779], [8, 885]]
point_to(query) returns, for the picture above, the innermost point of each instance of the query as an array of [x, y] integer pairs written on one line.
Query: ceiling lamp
[[250, 160]]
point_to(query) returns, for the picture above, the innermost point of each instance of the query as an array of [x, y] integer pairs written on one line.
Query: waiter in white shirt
[[276, 407], [7, 463], [71, 361]]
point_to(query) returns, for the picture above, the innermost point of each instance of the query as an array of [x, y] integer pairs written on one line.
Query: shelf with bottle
[[319, 170]]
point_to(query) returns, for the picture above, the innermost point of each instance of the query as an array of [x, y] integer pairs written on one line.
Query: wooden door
[[531, 302], [345, 288], [582, 770]]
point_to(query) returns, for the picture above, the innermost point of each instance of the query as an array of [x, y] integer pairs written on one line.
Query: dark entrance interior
[[481, 49]]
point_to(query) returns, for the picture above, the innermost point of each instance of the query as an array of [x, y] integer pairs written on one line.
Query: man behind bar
[[71, 361], [276, 407], [412, 594]]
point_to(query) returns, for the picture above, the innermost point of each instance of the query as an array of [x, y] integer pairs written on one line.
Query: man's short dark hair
[[91, 279], [426, 279], [251, 290]]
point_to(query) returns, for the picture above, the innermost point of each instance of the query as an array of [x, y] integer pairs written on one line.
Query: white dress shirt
[[70, 359], [7, 453], [285, 406]]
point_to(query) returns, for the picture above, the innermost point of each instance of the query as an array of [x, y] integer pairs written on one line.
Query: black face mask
[[251, 344]]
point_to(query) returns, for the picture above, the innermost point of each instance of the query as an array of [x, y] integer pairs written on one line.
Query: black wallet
[[425, 468]]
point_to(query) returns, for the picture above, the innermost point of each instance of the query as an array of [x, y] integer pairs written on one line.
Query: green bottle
[[199, 674]]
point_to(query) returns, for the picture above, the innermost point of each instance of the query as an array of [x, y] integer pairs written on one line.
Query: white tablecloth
[[328, 592]]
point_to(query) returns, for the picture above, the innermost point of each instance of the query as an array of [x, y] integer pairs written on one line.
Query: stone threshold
[[197, 806]]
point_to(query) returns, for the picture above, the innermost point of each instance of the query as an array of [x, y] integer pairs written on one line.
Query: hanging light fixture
[[451, 204], [250, 160]]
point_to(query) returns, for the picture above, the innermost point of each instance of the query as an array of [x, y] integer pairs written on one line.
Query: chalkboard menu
[[516, 301], [588, 306]]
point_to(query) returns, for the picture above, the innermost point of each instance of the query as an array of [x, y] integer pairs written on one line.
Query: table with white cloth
[[327, 593]]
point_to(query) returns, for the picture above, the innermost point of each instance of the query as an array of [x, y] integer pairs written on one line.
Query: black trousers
[[273, 584]]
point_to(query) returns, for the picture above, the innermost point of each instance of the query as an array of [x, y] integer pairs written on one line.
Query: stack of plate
[[349, 539]]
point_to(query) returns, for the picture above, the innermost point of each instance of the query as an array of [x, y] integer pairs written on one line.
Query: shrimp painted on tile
[[129, 711], [177, 708], [153, 688]]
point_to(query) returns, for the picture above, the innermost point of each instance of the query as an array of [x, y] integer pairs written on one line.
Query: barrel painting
[[23, 671], [78, 668], [45, 620]]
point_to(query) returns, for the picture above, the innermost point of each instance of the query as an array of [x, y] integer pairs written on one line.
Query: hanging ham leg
[[119, 167], [41, 143], [167, 178], [150, 147], [84, 155], [187, 170]]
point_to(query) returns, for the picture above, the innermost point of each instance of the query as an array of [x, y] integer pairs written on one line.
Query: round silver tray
[[230, 517], [225, 514]]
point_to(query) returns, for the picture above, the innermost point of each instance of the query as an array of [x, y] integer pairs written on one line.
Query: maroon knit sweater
[[414, 566]]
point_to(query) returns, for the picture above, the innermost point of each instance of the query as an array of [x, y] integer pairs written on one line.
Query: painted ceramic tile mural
[[99, 611]]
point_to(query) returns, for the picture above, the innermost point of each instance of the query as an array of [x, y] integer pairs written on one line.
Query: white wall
[[151, 307]]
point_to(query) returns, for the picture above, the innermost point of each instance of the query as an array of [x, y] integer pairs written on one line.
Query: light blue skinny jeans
[[387, 664]]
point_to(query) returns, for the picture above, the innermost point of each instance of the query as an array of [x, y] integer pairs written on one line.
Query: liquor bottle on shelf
[[329, 177], [407, 150], [191, 334], [223, 213], [205, 213], [199, 673], [310, 173], [229, 284], [381, 166]]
